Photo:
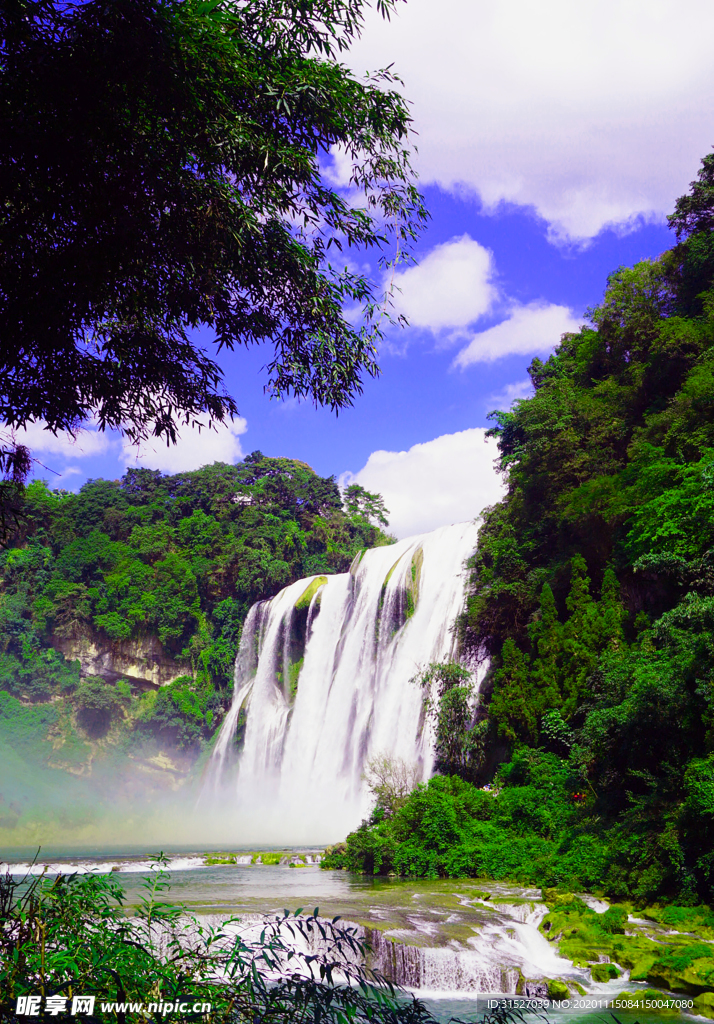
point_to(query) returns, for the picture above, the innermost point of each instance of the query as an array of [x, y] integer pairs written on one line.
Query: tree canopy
[[592, 587], [163, 169]]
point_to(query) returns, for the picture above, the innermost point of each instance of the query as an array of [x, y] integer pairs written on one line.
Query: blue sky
[[553, 140]]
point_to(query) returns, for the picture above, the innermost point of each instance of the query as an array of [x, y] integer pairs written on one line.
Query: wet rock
[[536, 989], [603, 972]]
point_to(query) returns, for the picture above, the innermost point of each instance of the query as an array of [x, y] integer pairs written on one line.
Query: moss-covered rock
[[267, 857], [614, 920], [389, 575], [604, 972], [695, 920], [211, 859], [557, 989], [480, 894], [413, 581], [689, 968], [305, 599], [586, 937], [704, 1004], [563, 900], [294, 670]]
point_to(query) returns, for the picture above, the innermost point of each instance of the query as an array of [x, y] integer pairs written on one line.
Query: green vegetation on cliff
[[174, 559], [592, 594]]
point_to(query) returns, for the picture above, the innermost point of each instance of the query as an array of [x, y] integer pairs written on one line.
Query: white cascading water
[[323, 676], [506, 951]]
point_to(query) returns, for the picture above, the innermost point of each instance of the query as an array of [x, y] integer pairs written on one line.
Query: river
[[458, 943]]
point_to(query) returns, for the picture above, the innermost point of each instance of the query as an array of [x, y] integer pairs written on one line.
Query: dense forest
[[592, 596], [174, 559]]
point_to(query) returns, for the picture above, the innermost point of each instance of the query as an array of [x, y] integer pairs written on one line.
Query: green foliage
[[694, 213], [528, 828], [36, 672], [183, 712], [97, 702], [593, 582], [193, 193], [366, 505], [25, 728], [180, 558]]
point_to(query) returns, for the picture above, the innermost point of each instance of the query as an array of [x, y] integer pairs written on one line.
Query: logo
[[29, 1006]]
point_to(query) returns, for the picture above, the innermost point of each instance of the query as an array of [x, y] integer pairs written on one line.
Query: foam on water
[[97, 867]]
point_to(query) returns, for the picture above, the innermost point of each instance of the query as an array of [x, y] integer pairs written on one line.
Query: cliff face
[[142, 661]]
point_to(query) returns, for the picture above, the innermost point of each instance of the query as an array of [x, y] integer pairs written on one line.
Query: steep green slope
[[148, 579], [592, 594]]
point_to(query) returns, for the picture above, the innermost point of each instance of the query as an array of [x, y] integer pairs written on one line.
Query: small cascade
[[323, 683], [508, 955], [450, 970], [440, 968]]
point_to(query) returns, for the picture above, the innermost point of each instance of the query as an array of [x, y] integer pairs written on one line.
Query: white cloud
[[193, 449], [505, 398], [447, 480], [88, 441], [450, 287], [338, 168], [592, 112], [529, 329]]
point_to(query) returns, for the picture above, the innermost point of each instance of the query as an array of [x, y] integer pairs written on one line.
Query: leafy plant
[[209, 207]]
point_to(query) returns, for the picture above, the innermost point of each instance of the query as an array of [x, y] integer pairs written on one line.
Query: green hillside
[[156, 573], [592, 594]]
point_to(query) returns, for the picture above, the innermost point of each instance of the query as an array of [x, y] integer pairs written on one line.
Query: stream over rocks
[[443, 936]]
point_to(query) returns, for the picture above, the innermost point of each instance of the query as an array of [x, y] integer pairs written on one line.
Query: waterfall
[[323, 683]]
